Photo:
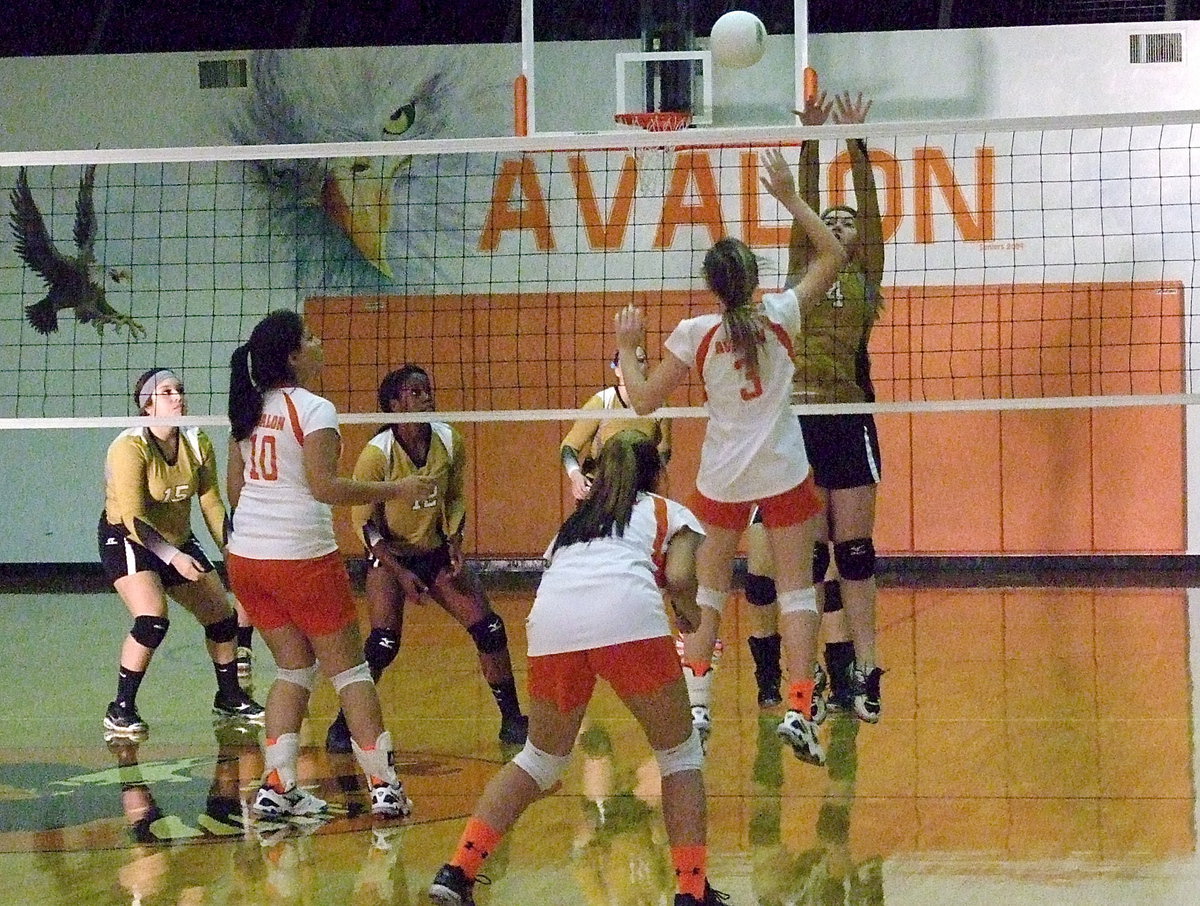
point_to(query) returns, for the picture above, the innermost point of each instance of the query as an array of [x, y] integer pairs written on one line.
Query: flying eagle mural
[[72, 281], [369, 223]]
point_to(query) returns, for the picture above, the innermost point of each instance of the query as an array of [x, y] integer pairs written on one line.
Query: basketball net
[[655, 163]]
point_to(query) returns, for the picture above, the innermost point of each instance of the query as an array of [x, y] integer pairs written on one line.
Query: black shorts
[[425, 566], [121, 556], [842, 449]]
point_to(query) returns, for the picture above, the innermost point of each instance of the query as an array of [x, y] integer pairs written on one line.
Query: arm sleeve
[[371, 466], [208, 491], [579, 438], [456, 499]]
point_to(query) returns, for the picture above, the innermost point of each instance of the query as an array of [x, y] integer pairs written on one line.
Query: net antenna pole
[[806, 76], [523, 88]]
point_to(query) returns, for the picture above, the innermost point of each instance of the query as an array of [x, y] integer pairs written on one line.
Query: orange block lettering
[[601, 235], [504, 216], [932, 167], [690, 166]]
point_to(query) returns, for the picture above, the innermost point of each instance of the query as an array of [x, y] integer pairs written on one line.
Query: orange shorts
[[793, 507], [632, 668], [312, 595]]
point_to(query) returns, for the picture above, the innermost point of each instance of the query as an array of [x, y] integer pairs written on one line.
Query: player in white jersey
[[599, 614], [753, 450], [284, 563]]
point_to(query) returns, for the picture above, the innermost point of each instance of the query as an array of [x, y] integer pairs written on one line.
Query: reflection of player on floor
[[149, 552], [416, 549], [832, 366], [753, 451], [604, 555], [284, 563]]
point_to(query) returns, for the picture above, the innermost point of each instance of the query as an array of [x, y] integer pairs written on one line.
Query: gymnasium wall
[[1064, 482]]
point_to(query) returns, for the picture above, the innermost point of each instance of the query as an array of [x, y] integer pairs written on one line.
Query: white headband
[[151, 383]]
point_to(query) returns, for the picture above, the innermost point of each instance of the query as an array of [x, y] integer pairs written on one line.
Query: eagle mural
[[72, 281], [369, 223]]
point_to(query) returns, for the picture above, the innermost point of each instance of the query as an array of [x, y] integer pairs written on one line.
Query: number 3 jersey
[[142, 489], [277, 517], [753, 448]]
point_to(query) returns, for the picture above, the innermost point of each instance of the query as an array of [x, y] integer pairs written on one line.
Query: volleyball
[[738, 40]]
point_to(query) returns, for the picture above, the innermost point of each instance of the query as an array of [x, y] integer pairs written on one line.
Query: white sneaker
[[388, 800], [294, 802], [820, 685], [801, 734]]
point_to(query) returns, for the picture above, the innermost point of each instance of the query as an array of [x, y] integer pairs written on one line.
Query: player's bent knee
[[712, 599], [381, 648], [687, 756], [305, 677], [149, 632], [359, 673], [800, 600], [545, 769], [223, 630], [760, 590], [855, 559], [488, 634], [820, 561]]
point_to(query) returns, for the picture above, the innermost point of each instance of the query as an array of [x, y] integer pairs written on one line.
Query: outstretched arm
[[866, 196], [645, 393], [828, 256], [808, 184]]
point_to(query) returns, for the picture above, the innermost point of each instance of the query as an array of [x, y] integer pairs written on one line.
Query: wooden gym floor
[[1037, 746]]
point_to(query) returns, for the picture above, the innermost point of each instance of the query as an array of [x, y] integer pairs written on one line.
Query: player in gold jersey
[[149, 552], [416, 549], [832, 366], [583, 442]]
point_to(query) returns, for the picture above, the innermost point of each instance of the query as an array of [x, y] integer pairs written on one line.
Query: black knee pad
[[149, 631], [380, 649], [223, 630], [820, 561], [760, 590], [833, 596], [855, 559], [488, 634]]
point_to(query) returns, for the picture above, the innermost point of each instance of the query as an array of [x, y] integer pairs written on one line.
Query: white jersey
[[277, 517], [603, 592], [753, 448]]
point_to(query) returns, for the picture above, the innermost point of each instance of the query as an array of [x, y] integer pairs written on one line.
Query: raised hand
[[779, 180], [816, 110], [850, 110], [630, 326]]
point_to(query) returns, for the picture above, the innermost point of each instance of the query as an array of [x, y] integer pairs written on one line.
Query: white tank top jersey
[[277, 517], [753, 448], [603, 592]]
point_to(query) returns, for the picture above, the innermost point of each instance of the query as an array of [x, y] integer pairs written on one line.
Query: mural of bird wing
[[85, 216], [33, 241]]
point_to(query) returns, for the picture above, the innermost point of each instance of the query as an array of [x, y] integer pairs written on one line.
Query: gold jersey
[[831, 351], [426, 524], [588, 436], [142, 489]]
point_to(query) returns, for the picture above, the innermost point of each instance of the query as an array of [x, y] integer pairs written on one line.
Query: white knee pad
[[359, 674], [544, 768], [687, 756], [305, 678], [800, 600], [712, 599]]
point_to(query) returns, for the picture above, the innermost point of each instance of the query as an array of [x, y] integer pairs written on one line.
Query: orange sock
[[800, 697], [698, 668], [691, 867], [478, 841], [274, 782]]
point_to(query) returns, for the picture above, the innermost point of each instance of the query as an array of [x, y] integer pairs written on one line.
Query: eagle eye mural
[[72, 281]]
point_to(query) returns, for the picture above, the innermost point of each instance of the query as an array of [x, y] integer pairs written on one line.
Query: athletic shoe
[[240, 705], [451, 887], [245, 661], [801, 734], [389, 801], [820, 684], [711, 898], [337, 739], [269, 803], [867, 705], [514, 730], [121, 721]]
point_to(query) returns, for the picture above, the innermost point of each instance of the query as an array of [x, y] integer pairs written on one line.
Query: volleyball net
[[1024, 261]]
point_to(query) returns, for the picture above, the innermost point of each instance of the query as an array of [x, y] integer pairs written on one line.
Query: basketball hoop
[[653, 163]]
